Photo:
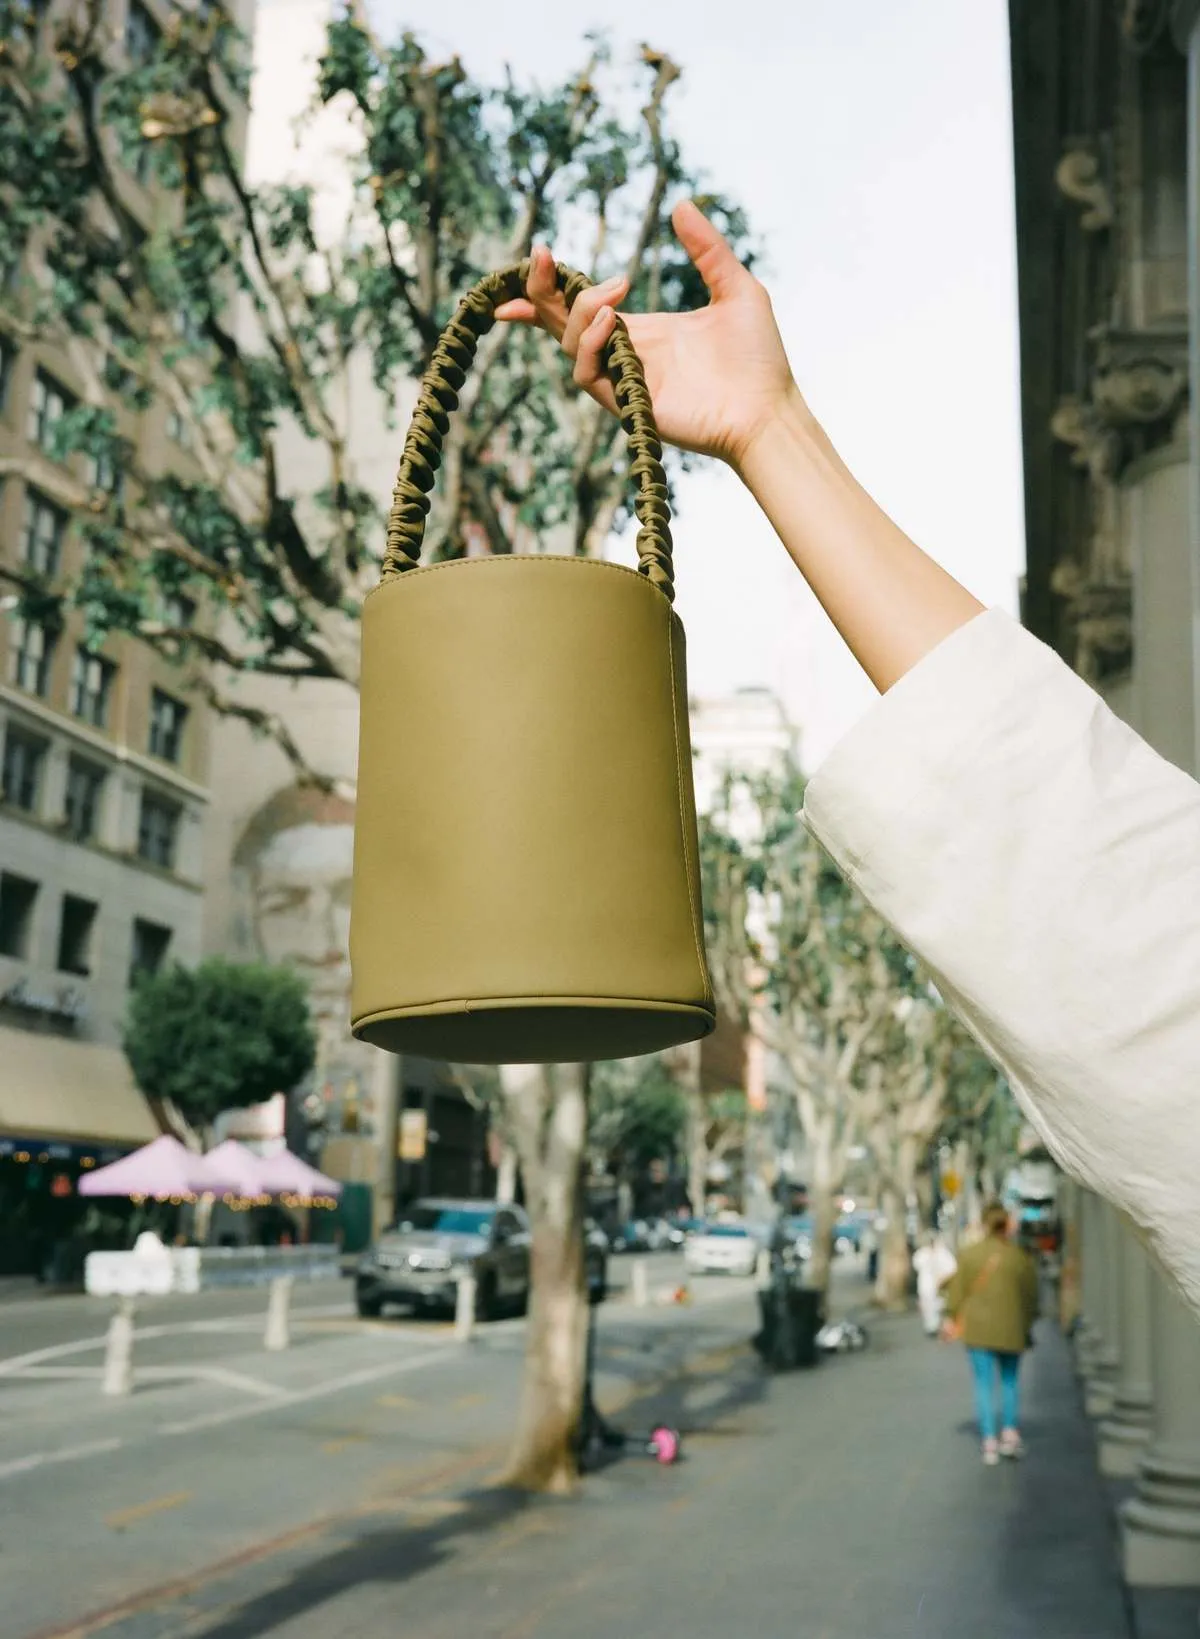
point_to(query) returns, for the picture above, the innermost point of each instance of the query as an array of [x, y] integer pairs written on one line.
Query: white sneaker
[[1011, 1444], [991, 1453]]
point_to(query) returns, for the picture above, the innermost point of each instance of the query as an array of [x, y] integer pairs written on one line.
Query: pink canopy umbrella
[[232, 1169], [287, 1174], [162, 1168]]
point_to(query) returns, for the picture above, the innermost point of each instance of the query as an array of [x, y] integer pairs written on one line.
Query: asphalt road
[[223, 1447]]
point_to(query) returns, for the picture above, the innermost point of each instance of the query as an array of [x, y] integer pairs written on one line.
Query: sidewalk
[[846, 1503]]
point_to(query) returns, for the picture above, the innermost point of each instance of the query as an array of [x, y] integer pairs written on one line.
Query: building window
[[141, 33], [178, 611], [85, 787], [31, 650], [103, 474], [48, 403], [167, 717], [24, 759], [150, 946], [17, 900], [41, 539], [179, 430], [158, 830], [76, 927], [91, 687]]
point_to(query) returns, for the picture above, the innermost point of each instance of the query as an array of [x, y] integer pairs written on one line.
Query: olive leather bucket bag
[[526, 869]]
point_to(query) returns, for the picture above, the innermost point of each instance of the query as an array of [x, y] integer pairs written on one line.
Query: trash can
[[790, 1317]]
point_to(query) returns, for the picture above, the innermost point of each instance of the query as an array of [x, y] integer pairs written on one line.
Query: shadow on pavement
[[375, 1549]]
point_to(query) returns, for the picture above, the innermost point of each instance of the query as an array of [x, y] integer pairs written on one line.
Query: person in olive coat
[[991, 1305]]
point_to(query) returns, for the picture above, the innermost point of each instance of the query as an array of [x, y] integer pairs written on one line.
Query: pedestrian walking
[[934, 1264], [991, 1305], [1035, 853]]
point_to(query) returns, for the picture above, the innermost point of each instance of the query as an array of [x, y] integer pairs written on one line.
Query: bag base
[[552, 1030]]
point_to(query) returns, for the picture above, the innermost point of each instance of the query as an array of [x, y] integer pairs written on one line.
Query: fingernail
[[614, 283], [602, 317]]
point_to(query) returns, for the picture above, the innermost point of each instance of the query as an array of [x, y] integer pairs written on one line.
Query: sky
[[870, 145]]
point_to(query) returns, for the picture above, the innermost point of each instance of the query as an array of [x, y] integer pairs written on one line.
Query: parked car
[[658, 1235], [418, 1262], [730, 1249], [633, 1236], [420, 1259]]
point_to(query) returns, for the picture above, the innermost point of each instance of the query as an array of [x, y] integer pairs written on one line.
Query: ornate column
[[1103, 1361], [1123, 1435], [1160, 1524]]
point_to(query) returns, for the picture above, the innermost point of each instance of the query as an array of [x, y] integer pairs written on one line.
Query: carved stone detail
[[1078, 177], [1100, 614], [1141, 392]]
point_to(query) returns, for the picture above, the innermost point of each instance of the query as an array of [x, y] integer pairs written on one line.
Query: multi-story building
[[104, 760]]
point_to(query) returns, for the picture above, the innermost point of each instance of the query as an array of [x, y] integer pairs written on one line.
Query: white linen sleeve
[[1044, 863]]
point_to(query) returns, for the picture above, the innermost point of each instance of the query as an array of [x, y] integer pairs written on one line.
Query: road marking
[[298, 1397], [399, 1402], [156, 1374], [332, 1447], [143, 1510], [41, 1459], [465, 1400], [15, 1362]]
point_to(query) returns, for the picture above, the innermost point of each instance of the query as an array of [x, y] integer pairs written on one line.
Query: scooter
[[662, 1444]]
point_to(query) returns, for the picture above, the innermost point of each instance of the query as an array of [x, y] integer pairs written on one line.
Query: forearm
[[891, 603]]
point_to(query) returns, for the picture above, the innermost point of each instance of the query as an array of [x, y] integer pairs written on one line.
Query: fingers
[[589, 355], [588, 305], [710, 252], [517, 312]]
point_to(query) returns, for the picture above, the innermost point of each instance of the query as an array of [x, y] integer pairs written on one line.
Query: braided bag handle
[[452, 358]]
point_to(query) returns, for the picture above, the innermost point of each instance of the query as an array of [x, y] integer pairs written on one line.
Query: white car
[[727, 1249]]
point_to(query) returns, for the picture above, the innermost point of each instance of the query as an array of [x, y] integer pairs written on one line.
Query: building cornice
[[100, 746]]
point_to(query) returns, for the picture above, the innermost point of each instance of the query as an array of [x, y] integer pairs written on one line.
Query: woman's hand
[[717, 377]]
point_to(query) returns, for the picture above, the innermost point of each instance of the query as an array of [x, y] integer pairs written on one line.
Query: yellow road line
[[143, 1510], [399, 1402], [465, 1400]]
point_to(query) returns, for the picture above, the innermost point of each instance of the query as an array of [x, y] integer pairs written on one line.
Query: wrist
[[788, 428]]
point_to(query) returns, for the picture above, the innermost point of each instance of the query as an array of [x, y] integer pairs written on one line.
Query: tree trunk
[[506, 1176], [697, 1156], [688, 1075], [549, 1123], [891, 1286], [543, 1456], [824, 1189]]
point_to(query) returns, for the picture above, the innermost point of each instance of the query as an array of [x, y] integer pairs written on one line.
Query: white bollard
[[464, 1308], [639, 1278], [277, 1335], [118, 1350], [762, 1268]]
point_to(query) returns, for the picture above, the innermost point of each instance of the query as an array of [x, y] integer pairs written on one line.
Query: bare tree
[[129, 225]]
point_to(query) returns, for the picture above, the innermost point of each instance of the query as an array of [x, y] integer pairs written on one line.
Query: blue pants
[[984, 1364]]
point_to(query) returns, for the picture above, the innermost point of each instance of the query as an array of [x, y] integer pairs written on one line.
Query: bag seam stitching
[[683, 829], [519, 557]]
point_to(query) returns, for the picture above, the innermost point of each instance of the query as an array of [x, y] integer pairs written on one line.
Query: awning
[[52, 1087]]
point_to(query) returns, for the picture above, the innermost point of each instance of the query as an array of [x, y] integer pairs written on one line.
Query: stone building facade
[[104, 759], [1106, 96]]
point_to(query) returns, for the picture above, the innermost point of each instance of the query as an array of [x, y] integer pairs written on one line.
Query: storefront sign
[[67, 1003], [412, 1135]]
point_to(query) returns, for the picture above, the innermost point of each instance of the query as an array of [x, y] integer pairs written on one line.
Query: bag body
[[526, 871]]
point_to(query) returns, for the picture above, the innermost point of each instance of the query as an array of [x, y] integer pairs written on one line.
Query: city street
[[344, 1487], [223, 1447]]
